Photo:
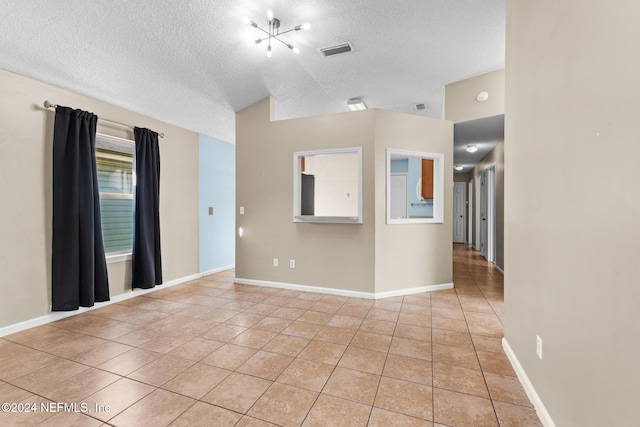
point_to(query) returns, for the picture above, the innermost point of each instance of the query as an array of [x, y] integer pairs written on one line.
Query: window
[[327, 186], [114, 160], [415, 187]]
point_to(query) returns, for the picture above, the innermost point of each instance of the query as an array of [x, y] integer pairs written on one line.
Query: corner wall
[[26, 137], [412, 255], [338, 256], [217, 176], [572, 210]]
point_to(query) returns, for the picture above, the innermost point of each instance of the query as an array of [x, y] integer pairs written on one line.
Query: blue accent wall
[[399, 166], [217, 189]]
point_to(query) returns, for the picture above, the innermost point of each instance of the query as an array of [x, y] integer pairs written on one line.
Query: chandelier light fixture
[[273, 32]]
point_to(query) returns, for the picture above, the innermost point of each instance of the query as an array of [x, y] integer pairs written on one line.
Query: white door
[[484, 217], [398, 195], [459, 214]]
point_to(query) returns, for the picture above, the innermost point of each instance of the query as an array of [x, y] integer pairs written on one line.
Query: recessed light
[[356, 104], [472, 148]]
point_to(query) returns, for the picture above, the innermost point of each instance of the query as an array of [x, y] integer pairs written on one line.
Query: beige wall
[[571, 205], [26, 135], [461, 104], [460, 177], [327, 255], [412, 255], [494, 158], [339, 256]]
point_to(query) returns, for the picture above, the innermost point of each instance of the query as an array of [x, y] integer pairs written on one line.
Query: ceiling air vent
[[337, 49], [421, 107]]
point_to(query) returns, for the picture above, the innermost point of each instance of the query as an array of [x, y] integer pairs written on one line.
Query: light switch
[[210, 210], [241, 210]]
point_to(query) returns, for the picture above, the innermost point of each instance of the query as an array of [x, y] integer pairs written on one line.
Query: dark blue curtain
[[147, 260], [79, 268]]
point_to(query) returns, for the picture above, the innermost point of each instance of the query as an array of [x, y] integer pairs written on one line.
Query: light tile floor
[[214, 353]]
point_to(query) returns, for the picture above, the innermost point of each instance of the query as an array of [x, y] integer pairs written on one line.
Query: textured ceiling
[[190, 62], [483, 133]]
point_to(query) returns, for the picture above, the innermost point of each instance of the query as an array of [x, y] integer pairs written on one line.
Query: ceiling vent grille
[[336, 50], [421, 107]]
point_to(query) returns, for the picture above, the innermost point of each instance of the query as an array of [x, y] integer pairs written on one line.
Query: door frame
[[470, 213], [489, 177], [478, 191]]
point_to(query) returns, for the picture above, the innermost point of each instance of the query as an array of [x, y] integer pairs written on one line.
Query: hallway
[[214, 353]]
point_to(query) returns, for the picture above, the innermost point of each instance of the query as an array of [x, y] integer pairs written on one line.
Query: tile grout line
[[476, 352]]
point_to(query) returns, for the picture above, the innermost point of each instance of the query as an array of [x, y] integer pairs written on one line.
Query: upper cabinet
[[427, 179]]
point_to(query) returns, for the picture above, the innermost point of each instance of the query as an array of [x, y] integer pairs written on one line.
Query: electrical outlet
[[292, 263], [241, 210], [539, 346], [275, 262], [210, 210]]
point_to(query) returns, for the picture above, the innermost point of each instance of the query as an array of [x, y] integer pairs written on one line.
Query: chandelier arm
[[286, 44], [263, 30], [285, 32]]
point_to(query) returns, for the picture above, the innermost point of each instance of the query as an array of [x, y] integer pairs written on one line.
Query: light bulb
[[245, 20], [269, 51], [269, 14], [306, 26], [296, 50], [472, 148]]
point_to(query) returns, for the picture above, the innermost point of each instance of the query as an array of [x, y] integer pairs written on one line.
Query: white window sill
[[117, 257]]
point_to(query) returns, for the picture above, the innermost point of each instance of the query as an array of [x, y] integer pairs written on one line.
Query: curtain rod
[[47, 104]]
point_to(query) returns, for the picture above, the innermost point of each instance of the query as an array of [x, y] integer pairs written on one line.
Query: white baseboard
[[541, 410], [411, 291], [501, 271], [343, 292], [219, 270], [58, 315]]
